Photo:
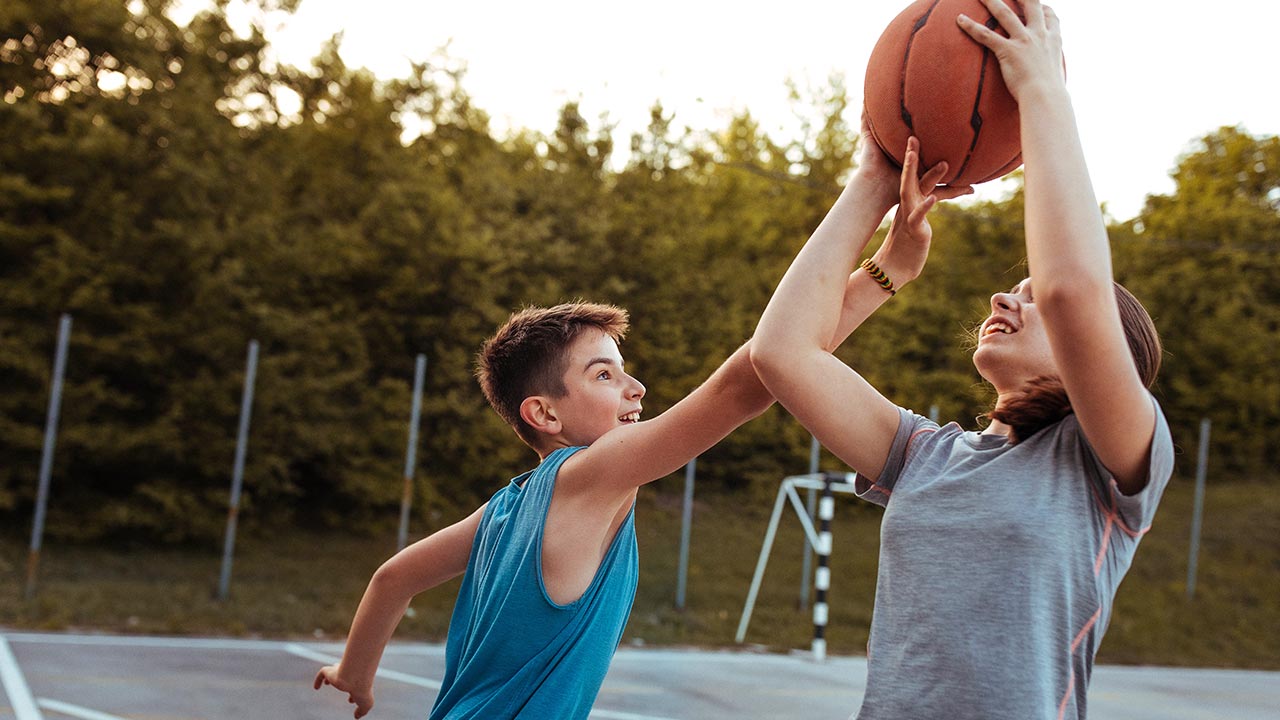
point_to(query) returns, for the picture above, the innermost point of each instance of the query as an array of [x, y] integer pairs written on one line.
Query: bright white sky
[[1146, 76]]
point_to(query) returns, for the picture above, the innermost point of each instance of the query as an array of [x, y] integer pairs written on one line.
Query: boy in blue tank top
[[550, 561]]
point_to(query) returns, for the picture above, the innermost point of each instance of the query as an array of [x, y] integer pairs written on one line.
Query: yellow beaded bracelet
[[879, 276]]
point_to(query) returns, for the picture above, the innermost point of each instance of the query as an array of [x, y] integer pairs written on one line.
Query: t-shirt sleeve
[[1137, 510], [880, 489]]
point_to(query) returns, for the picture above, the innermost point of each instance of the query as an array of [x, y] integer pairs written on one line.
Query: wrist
[[899, 273], [881, 192], [881, 277], [1043, 94]]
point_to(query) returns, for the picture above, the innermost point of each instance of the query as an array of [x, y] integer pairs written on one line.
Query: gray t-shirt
[[998, 567]]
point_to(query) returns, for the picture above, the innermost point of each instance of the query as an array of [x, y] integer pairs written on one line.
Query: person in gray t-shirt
[[1001, 551]]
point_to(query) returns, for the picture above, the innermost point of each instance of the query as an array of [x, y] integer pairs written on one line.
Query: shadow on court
[[98, 677]]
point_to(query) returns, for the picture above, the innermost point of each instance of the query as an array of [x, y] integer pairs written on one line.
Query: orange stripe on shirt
[[1071, 678]]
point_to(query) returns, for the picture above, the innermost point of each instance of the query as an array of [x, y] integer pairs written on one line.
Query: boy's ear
[[536, 410]]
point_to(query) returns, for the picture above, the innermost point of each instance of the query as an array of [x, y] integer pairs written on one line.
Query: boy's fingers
[[320, 679]]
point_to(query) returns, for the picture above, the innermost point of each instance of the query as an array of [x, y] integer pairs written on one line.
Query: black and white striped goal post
[[818, 538]]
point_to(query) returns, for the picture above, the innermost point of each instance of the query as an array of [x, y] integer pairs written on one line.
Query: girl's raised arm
[[1067, 247], [822, 298]]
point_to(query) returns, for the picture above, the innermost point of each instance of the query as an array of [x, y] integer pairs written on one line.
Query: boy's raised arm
[[630, 456]]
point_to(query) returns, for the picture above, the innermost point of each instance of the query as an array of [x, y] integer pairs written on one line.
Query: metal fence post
[[686, 522], [46, 456], [237, 473], [1202, 465], [406, 498]]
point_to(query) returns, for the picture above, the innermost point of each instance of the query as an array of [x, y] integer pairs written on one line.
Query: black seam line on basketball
[[975, 117], [906, 56]]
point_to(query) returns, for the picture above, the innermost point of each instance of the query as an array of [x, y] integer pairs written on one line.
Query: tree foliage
[[180, 194], [1206, 260]]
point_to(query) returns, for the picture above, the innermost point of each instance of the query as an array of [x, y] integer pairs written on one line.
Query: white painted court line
[[612, 715], [177, 643], [423, 649], [185, 643], [75, 711], [309, 654], [15, 685]]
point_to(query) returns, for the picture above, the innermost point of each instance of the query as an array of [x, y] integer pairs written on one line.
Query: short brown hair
[[1044, 400], [528, 355]]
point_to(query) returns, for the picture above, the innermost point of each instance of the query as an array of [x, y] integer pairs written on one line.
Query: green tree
[[1204, 261]]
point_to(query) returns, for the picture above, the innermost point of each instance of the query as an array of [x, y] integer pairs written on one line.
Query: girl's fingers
[[1009, 20], [980, 33], [920, 214], [1036, 13], [907, 181], [1051, 19], [950, 192], [931, 178]]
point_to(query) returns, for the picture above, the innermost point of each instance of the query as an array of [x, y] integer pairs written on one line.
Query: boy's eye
[[604, 375]]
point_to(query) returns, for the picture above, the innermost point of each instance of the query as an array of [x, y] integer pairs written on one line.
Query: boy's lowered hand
[[359, 694]]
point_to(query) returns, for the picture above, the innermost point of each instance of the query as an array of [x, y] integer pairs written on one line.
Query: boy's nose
[[637, 389]]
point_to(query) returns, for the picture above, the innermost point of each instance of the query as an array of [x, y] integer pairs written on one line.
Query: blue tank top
[[512, 652]]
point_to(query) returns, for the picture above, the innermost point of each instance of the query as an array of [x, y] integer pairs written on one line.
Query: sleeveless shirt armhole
[[628, 523]]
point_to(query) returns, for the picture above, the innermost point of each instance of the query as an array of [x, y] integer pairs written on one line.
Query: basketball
[[927, 78]]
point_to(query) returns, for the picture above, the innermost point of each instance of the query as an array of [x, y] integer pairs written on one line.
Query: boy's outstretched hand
[[361, 697]]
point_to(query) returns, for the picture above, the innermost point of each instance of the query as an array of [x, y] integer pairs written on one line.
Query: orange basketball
[[927, 78]]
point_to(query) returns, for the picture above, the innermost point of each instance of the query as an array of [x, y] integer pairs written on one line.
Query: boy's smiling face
[[600, 394]]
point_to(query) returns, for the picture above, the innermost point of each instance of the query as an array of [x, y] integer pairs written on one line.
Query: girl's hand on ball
[[1032, 54], [875, 169], [907, 246]]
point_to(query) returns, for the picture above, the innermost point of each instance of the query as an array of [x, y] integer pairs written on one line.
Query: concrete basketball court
[[101, 677]]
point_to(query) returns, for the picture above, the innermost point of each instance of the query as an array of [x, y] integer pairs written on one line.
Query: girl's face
[[1013, 346]]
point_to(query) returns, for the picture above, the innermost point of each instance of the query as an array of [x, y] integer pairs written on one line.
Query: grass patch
[[292, 584]]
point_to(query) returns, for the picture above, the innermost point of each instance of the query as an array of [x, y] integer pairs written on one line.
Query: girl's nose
[[1005, 301]]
